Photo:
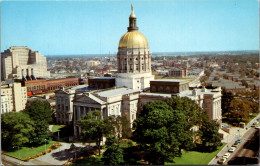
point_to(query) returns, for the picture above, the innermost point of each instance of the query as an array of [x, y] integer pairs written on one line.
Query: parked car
[[235, 144], [221, 160], [224, 125], [239, 140], [226, 155], [232, 149]]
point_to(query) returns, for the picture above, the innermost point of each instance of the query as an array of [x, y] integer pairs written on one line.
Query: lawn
[[195, 158], [90, 161], [25, 152], [56, 128]]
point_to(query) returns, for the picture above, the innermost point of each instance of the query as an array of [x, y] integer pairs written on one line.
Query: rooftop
[[171, 80], [116, 92], [104, 78]]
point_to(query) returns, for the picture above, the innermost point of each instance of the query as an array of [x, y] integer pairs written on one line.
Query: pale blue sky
[[95, 27]]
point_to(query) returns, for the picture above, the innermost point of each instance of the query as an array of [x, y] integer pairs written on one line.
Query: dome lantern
[[132, 21]]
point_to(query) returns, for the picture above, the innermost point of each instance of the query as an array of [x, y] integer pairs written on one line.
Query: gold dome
[[133, 39]]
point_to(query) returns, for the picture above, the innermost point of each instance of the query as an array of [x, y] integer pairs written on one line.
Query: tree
[[121, 126], [16, 129], [210, 136], [244, 83], [114, 154], [240, 108], [41, 113], [158, 130], [195, 115], [94, 127], [226, 99]]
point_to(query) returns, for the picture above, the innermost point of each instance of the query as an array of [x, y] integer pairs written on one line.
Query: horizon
[[156, 53], [95, 27]]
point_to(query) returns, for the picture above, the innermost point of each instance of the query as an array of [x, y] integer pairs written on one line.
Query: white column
[[74, 113], [85, 111], [78, 111]]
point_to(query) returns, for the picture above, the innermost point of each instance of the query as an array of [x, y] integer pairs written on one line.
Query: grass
[[25, 152], [90, 161], [56, 128], [195, 158]]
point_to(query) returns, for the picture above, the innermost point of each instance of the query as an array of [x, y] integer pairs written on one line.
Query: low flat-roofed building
[[101, 82], [169, 86]]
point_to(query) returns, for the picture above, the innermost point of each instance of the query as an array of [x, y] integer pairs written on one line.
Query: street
[[245, 153]]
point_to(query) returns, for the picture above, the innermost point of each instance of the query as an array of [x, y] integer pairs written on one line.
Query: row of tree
[[29, 127]]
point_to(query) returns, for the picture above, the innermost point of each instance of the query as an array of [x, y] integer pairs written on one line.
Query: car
[[232, 149], [226, 155], [235, 144], [257, 127], [239, 140], [224, 125], [222, 160]]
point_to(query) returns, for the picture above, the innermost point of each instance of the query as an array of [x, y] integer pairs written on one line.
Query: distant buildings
[[181, 73], [13, 97], [23, 63]]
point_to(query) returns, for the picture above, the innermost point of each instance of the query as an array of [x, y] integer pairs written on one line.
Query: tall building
[[23, 63], [133, 58], [15, 95]]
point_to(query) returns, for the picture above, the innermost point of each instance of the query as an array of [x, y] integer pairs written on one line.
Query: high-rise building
[[23, 63], [133, 58]]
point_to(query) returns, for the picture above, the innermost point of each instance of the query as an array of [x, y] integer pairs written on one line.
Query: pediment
[[88, 100]]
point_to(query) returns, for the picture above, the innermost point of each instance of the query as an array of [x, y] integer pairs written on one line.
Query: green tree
[[240, 108], [114, 154], [94, 127], [226, 99], [16, 129], [195, 115], [158, 130], [244, 83], [210, 137], [40, 112], [121, 126]]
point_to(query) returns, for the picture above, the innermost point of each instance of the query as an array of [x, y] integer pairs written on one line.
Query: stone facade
[[16, 96], [23, 63], [113, 102], [64, 105]]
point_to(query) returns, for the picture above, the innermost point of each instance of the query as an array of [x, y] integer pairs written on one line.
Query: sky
[[95, 27]]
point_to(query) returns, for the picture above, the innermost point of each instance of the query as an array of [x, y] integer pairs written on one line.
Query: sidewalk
[[56, 157]]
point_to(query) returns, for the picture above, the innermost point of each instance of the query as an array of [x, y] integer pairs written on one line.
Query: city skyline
[[95, 27]]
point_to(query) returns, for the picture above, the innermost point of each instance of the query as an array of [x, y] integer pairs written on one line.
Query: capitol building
[[134, 87]]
